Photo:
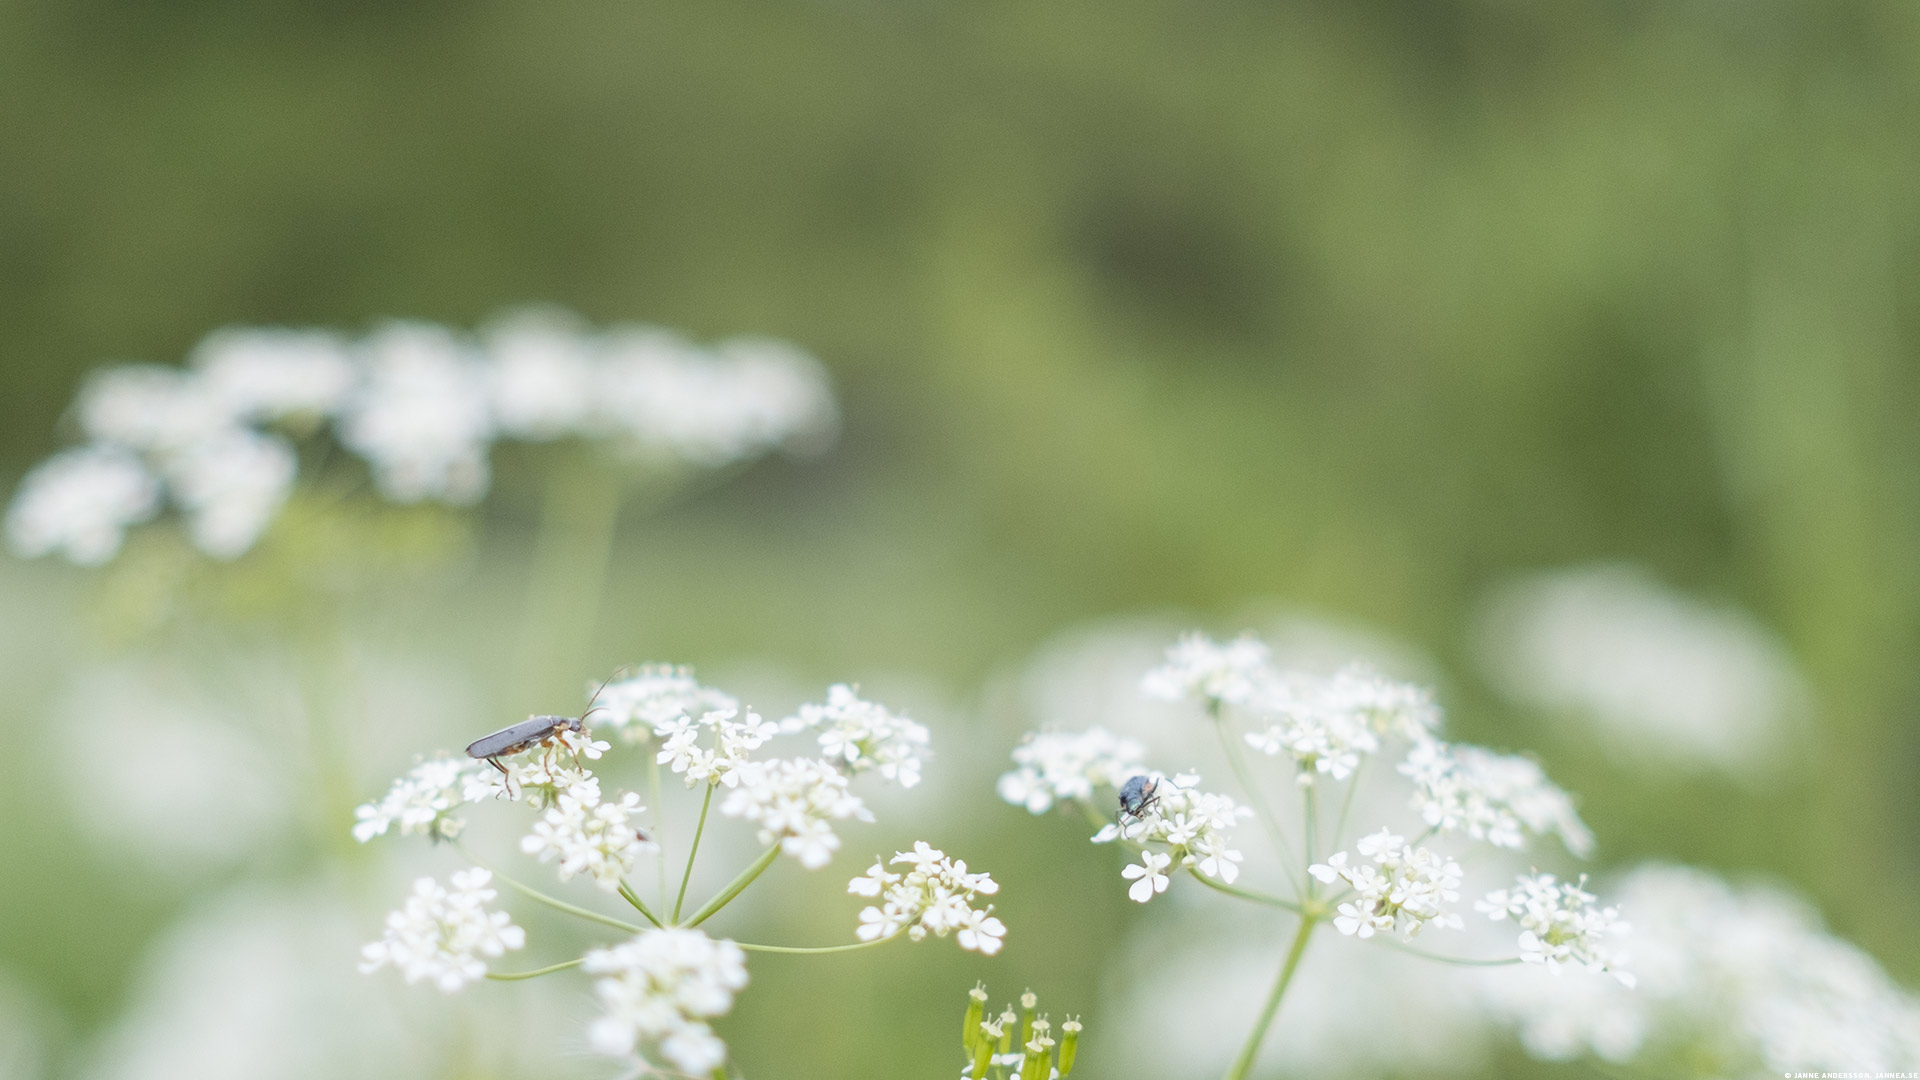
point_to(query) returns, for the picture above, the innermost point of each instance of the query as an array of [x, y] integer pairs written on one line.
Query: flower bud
[[991, 1033], [1028, 1001], [1038, 1064], [976, 1007], [1008, 1021], [1069, 1042]]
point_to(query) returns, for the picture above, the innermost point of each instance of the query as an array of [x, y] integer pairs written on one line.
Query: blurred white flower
[[1742, 977], [231, 486], [933, 896], [654, 696], [266, 373], [1404, 890], [669, 399], [423, 800], [150, 408], [1067, 766], [540, 373], [1204, 670], [79, 504], [1668, 681], [864, 735], [1499, 798], [445, 935], [1561, 923], [422, 419], [794, 801], [658, 990], [588, 836]]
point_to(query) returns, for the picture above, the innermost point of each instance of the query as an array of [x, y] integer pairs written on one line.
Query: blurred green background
[[1356, 306]]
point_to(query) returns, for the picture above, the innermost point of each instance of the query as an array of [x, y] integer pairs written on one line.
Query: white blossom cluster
[[933, 896], [864, 735], [1199, 668], [1742, 977], [712, 748], [658, 990], [424, 799], [1403, 890], [794, 801], [1196, 827], [420, 404], [586, 835], [444, 935], [641, 702], [1328, 724], [1499, 798], [1561, 923], [1056, 766]]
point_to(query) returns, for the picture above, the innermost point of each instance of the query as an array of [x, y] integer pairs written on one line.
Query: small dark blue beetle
[[1138, 795]]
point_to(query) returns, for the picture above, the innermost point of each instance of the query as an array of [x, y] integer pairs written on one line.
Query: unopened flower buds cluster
[[1016, 1045]]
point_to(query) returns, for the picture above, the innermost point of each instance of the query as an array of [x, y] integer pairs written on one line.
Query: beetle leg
[[505, 776]]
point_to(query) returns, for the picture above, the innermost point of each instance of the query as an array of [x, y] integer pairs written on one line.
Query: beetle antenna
[[604, 683]]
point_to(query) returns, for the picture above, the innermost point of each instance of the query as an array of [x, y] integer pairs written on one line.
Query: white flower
[[732, 737], [793, 800], [421, 420], [1560, 923], [1197, 667], [1499, 798], [1406, 888], [1327, 724], [150, 408], [231, 486], [935, 895], [587, 836], [658, 990], [258, 373], [423, 800], [1195, 825], [540, 373], [1064, 766], [673, 401], [652, 697], [864, 735], [79, 503], [1150, 873], [442, 934]]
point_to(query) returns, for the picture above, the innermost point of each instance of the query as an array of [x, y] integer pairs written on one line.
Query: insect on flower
[[1138, 795], [528, 733]]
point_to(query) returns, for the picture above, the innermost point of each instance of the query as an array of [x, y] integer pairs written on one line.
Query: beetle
[[529, 733], [1139, 795]]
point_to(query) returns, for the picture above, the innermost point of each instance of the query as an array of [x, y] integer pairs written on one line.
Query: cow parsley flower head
[[672, 401], [1389, 706], [1067, 766], [540, 367], [587, 836], [1402, 890], [1561, 923], [712, 749], [231, 486], [150, 408], [445, 934], [864, 735], [1499, 798], [423, 800], [934, 895], [79, 503], [1199, 668], [794, 801], [1196, 827], [649, 699], [658, 990], [422, 419], [268, 374]]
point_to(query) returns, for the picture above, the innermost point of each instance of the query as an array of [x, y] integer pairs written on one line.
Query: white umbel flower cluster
[[445, 935], [1403, 890], [650, 698], [1561, 923], [1196, 827], [864, 735], [658, 991], [711, 749], [1499, 798], [421, 404], [424, 799], [1327, 725], [1057, 766], [933, 896], [794, 801], [1201, 669], [585, 835]]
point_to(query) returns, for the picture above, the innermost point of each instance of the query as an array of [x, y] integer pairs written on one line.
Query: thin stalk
[[1244, 1063], [1460, 961], [681, 900], [1245, 894], [1254, 797], [1313, 822], [734, 889], [515, 976], [626, 891], [823, 948], [556, 904], [1353, 785]]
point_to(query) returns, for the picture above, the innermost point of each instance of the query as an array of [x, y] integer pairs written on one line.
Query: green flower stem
[[1312, 824], [515, 976], [556, 904], [681, 900], [1244, 1063], [578, 520], [1459, 961], [734, 889], [1254, 797], [1353, 785], [822, 948], [626, 891], [1244, 894]]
